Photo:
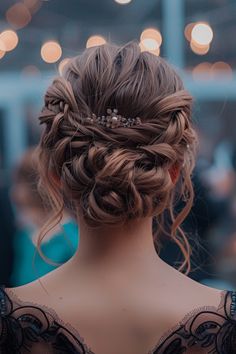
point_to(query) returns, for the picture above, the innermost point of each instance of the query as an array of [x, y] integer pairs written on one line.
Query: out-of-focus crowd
[[23, 213]]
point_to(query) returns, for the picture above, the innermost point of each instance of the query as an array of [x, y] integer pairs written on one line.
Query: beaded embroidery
[[113, 120]]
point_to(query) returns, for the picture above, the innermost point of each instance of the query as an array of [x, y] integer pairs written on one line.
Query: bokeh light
[[51, 52], [145, 49], [209, 71], [123, 2], [8, 40], [202, 71], [199, 49], [2, 46], [151, 39], [32, 5], [150, 44], [202, 33], [62, 65], [94, 41], [222, 69], [18, 15], [188, 31], [2, 53]]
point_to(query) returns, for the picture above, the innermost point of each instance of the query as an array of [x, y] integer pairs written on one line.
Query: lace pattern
[[30, 328]]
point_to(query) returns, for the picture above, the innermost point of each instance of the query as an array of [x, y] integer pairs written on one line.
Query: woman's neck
[[123, 249]]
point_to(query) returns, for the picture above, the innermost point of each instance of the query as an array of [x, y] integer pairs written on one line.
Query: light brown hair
[[115, 175]]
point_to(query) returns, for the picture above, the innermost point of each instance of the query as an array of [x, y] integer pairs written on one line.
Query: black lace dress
[[30, 328]]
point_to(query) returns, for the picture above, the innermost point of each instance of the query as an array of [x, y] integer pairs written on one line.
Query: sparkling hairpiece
[[113, 120]]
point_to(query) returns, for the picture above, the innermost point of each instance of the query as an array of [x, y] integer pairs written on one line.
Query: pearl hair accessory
[[113, 120]]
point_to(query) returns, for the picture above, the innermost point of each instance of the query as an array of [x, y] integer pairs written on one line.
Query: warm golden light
[[188, 31], [51, 52], [18, 15], [145, 49], [123, 2], [2, 53], [2, 46], [221, 66], [150, 44], [94, 41], [8, 40], [202, 71], [222, 69], [202, 33], [199, 49], [32, 5], [210, 71], [62, 65], [151, 39]]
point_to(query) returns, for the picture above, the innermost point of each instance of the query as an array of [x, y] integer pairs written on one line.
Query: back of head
[[116, 175], [25, 177]]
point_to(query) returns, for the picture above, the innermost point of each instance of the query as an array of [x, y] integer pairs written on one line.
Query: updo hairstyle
[[115, 175]]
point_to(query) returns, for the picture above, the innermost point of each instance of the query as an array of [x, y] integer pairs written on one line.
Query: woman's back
[[142, 317], [118, 151]]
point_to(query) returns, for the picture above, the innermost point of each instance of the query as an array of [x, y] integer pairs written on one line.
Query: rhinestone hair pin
[[113, 120]]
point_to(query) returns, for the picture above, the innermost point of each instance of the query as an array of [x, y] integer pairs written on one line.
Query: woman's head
[[31, 209], [113, 175]]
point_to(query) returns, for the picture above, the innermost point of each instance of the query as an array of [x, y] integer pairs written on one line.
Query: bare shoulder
[[28, 292], [177, 293], [190, 294], [36, 291]]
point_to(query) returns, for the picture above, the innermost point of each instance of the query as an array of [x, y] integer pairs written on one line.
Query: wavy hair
[[115, 175]]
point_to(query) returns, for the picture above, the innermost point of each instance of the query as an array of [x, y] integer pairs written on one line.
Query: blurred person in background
[[31, 213], [225, 231], [119, 148], [7, 231], [214, 183]]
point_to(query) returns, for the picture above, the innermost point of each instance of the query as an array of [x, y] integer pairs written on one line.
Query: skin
[[117, 292]]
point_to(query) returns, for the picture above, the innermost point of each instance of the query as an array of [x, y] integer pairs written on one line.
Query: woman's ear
[[174, 172]]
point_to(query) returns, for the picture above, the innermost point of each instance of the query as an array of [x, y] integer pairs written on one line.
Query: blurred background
[[36, 40]]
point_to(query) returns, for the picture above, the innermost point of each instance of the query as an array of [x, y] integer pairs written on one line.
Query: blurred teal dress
[[28, 264]]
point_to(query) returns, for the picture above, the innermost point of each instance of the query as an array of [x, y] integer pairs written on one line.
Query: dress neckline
[[15, 300]]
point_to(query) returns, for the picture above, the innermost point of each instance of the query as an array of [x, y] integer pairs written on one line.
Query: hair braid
[[116, 175]]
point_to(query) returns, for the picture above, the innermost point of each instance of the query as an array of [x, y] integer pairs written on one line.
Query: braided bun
[[115, 175]]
